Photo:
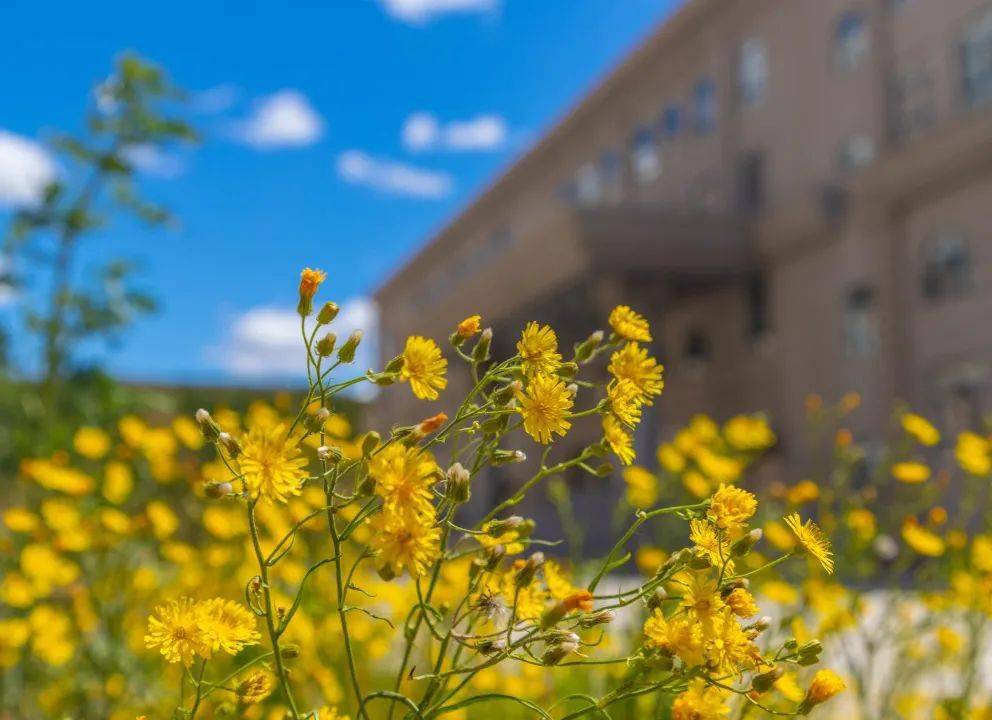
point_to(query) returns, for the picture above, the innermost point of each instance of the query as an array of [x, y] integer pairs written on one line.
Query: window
[[946, 265], [850, 40], [697, 346], [860, 323], [587, 185], [645, 156], [912, 108], [751, 183], [757, 307], [704, 105], [752, 69], [976, 61], [856, 152], [671, 121], [611, 176]]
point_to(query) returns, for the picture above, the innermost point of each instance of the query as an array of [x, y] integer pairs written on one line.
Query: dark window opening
[[751, 183], [757, 306], [947, 265], [697, 346]]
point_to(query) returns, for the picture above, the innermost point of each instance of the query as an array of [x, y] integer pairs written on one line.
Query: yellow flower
[[254, 688], [117, 482], [974, 454], [545, 404], [706, 539], [700, 702], [164, 522], [922, 540], [538, 348], [862, 523], [649, 558], [920, 429], [174, 628], [619, 440], [633, 363], [469, 326], [911, 472], [678, 635], [629, 325], [670, 458], [749, 433], [424, 367], [778, 535], [310, 280], [803, 492], [700, 594], [826, 684], [403, 477], [404, 541], [20, 519], [742, 603], [981, 553], [330, 713], [642, 487], [91, 442], [728, 648], [813, 540], [625, 401], [226, 625], [270, 464], [732, 507]]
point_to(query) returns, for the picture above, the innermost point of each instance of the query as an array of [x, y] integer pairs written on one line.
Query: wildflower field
[[283, 561]]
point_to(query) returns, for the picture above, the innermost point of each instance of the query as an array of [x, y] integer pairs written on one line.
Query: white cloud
[[421, 11], [285, 119], [26, 168], [264, 343], [215, 100], [153, 161], [423, 131], [388, 176]]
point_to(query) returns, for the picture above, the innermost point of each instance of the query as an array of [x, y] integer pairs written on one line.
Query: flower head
[[469, 326], [538, 348], [226, 625], [812, 539], [911, 472], [642, 487], [174, 628], [270, 464], [403, 477], [700, 702], [633, 363], [923, 541], [545, 404], [404, 541], [625, 401], [310, 280], [424, 367], [826, 683], [920, 429], [629, 325], [731, 507], [254, 688], [619, 440]]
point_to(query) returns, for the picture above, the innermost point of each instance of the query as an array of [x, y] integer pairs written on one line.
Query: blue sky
[[338, 134]]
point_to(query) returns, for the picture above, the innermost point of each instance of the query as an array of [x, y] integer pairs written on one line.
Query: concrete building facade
[[796, 193]]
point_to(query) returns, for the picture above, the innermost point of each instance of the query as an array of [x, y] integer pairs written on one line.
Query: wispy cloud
[[284, 119], [422, 11], [263, 343], [215, 100], [26, 168], [396, 178], [423, 131], [150, 160]]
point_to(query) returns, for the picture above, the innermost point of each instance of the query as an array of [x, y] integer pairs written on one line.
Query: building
[[794, 192]]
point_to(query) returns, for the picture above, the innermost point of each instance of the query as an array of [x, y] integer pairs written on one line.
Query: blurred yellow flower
[[117, 482], [911, 472], [920, 429], [619, 440], [91, 442], [922, 540], [642, 487]]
